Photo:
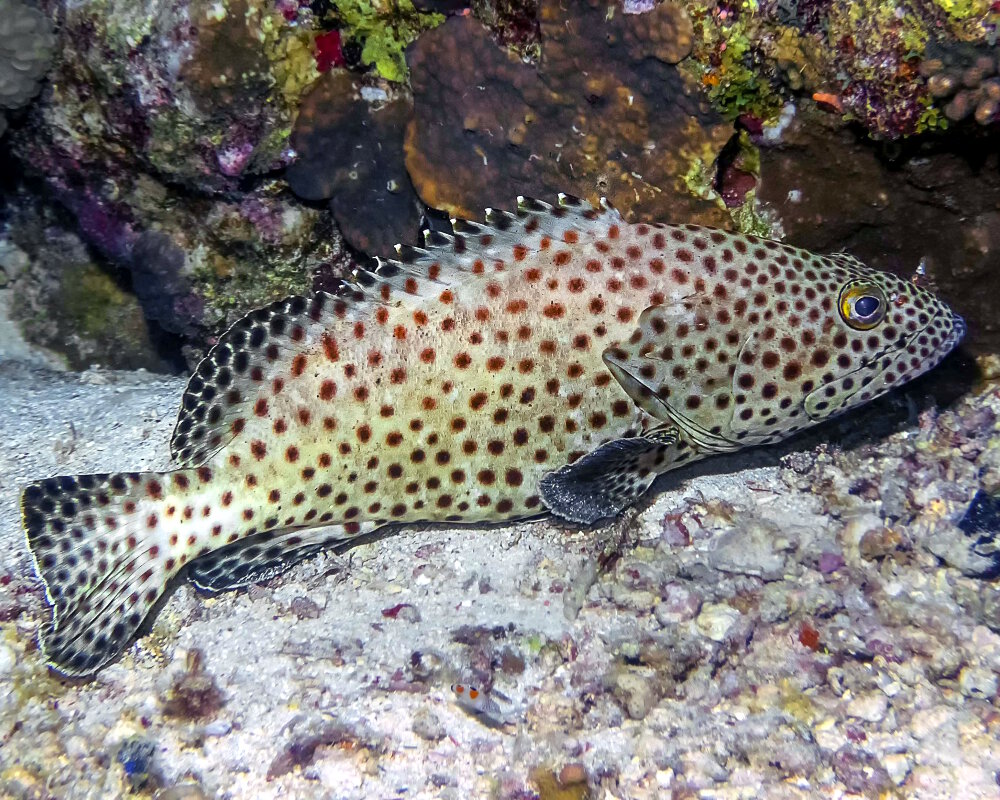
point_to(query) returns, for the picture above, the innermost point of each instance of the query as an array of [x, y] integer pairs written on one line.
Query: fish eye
[[862, 306]]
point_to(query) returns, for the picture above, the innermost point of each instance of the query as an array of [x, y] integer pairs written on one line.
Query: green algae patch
[[741, 83], [384, 30], [733, 63], [568, 784], [750, 218], [90, 298], [79, 310], [231, 287], [235, 268], [965, 10]]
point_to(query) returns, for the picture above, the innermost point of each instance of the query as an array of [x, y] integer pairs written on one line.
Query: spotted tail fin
[[105, 547]]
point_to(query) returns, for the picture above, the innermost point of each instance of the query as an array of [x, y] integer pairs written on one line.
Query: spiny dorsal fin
[[416, 273], [486, 247], [248, 357]]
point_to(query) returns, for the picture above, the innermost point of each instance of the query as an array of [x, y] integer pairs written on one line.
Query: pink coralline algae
[[234, 158], [155, 132]]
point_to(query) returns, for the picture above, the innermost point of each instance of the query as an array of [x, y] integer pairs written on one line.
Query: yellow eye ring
[[862, 306]]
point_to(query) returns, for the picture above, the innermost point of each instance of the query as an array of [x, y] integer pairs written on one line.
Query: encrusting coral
[[867, 60], [160, 131], [203, 95]]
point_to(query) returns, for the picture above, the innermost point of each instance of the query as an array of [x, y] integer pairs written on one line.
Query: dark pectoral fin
[[604, 482]]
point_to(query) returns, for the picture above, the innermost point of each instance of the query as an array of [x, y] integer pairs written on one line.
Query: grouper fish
[[552, 360]]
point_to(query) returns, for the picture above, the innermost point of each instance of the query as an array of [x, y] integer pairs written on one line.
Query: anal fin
[[605, 481], [258, 558]]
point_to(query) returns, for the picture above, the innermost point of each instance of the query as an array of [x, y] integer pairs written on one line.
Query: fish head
[[881, 332], [732, 369]]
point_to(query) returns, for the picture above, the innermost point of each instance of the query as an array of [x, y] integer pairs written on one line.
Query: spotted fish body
[[553, 360]]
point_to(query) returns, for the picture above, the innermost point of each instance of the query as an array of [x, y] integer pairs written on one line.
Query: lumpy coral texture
[[605, 113], [26, 43], [351, 152]]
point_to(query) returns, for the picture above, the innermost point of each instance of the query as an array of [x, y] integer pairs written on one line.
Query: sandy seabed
[[789, 623]]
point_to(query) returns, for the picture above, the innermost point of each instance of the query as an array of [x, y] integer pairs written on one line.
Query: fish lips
[[820, 404]]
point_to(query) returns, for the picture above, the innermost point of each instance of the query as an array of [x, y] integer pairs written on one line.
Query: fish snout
[[958, 328], [952, 334]]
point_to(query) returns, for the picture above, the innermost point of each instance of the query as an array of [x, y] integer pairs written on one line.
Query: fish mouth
[[947, 344], [958, 331], [816, 400]]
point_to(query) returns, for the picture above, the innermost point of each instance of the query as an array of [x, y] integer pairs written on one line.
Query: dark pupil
[[866, 306]]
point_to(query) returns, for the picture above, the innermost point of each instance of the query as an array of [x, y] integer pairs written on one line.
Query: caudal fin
[[100, 545]]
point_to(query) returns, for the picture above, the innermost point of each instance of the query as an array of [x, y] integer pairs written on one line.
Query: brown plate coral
[[605, 113]]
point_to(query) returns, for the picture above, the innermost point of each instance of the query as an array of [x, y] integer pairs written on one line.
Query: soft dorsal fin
[[247, 356]]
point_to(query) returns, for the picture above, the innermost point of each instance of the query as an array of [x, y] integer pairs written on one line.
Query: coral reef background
[[801, 622], [212, 157]]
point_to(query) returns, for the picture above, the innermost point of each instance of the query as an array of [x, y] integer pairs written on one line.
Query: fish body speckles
[[554, 360]]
